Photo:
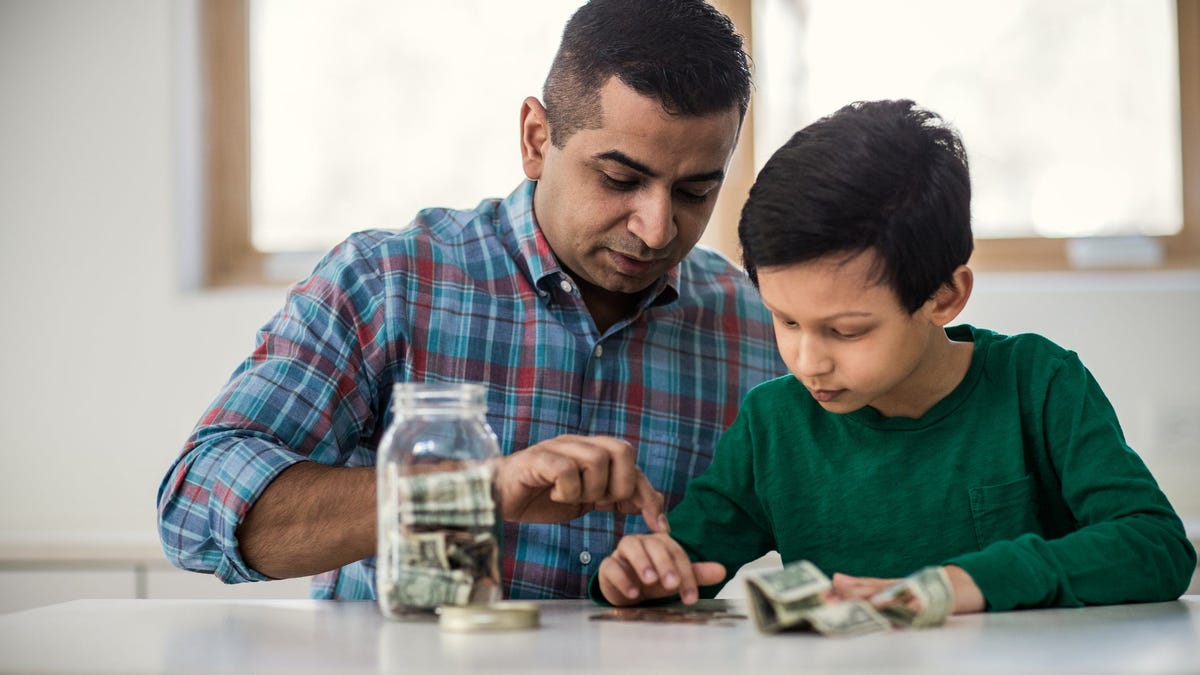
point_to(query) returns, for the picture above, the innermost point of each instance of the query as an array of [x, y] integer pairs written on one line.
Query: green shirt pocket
[[1005, 511]]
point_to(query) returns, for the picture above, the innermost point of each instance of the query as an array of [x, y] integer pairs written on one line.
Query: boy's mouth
[[825, 395]]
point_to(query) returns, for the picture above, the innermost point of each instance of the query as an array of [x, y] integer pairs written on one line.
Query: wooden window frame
[[230, 258]]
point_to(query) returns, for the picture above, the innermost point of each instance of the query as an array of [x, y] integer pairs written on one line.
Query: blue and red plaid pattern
[[470, 296]]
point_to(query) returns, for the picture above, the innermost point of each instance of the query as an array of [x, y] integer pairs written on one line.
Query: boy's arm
[[720, 520], [1128, 545]]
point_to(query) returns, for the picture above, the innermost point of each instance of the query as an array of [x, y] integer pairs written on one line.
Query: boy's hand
[[846, 587], [967, 596], [651, 566]]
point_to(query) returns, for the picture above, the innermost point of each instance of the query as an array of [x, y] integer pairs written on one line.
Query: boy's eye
[[849, 334]]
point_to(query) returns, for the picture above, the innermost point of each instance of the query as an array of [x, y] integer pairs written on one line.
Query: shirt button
[[585, 557], [598, 351], [565, 285]]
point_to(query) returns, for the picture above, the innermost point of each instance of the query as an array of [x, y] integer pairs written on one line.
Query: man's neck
[[606, 307]]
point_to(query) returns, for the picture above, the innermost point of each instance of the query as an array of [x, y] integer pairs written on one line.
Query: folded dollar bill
[[796, 597], [920, 600]]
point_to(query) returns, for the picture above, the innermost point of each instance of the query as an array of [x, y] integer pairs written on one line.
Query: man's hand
[[567, 476], [651, 566]]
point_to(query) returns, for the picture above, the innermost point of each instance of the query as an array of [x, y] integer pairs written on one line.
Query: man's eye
[[621, 185], [849, 334], [693, 197]]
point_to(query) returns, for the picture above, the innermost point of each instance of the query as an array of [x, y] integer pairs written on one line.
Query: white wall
[[105, 363]]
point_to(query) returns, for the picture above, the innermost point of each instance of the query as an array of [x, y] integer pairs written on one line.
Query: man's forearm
[[312, 518]]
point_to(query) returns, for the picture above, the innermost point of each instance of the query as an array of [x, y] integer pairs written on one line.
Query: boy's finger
[[689, 587], [661, 551], [674, 567], [633, 552], [618, 583]]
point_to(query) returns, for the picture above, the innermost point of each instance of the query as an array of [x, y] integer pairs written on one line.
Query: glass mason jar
[[439, 521]]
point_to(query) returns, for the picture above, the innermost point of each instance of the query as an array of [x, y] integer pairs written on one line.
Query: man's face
[[622, 204], [849, 341]]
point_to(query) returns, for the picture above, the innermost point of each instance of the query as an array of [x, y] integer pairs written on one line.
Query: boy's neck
[[942, 369]]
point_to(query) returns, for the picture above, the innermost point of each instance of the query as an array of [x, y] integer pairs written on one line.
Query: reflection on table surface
[[218, 636]]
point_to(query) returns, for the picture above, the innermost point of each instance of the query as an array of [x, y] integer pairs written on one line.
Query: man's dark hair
[[683, 53], [886, 176]]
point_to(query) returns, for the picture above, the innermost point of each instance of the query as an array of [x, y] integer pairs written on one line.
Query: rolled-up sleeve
[[308, 392]]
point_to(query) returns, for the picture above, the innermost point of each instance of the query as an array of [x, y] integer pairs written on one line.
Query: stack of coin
[[497, 616]]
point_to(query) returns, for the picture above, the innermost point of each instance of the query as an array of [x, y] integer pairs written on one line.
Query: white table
[[297, 636]]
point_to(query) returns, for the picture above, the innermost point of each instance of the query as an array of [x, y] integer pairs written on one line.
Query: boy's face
[[848, 340]]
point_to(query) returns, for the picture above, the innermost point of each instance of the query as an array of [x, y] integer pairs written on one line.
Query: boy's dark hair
[[683, 53], [882, 175]]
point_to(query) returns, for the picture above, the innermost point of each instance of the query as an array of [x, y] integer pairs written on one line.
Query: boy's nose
[[811, 357]]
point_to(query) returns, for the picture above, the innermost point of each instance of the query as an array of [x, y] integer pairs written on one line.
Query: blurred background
[[167, 169]]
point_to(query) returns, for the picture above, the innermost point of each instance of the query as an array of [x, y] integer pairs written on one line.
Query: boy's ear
[[535, 137], [948, 301]]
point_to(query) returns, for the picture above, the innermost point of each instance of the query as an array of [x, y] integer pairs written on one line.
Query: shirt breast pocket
[[1004, 511]]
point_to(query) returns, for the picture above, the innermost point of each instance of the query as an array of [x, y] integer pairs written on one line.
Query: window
[[327, 117], [362, 112], [1070, 110]]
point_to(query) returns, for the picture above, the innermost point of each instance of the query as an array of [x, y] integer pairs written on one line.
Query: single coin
[[505, 615]]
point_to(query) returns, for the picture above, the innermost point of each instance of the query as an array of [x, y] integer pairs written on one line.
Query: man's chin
[[622, 283]]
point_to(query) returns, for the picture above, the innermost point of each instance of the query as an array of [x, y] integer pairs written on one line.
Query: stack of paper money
[[449, 498], [797, 597], [445, 550]]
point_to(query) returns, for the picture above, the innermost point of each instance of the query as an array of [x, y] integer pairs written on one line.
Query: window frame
[[230, 258]]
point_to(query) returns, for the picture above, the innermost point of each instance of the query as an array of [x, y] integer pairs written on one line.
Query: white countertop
[[305, 636]]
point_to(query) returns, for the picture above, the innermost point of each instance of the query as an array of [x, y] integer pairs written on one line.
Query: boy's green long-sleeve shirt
[[1021, 476]]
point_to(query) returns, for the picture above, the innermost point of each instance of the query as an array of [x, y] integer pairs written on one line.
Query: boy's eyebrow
[[622, 158], [849, 314]]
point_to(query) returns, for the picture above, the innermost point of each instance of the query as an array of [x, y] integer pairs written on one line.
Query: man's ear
[[535, 137], [948, 301]]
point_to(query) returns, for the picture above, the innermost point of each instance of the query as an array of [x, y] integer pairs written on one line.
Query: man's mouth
[[632, 264]]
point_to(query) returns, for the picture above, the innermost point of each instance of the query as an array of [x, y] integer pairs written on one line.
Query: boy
[[898, 442]]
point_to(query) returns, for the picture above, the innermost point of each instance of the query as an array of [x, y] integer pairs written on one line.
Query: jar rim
[[433, 388], [444, 395]]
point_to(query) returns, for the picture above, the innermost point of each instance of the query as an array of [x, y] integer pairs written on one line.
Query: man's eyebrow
[[621, 158]]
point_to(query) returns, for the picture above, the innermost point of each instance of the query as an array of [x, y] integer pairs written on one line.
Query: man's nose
[[653, 219]]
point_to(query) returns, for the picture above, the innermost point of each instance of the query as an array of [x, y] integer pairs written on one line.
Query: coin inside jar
[[496, 616]]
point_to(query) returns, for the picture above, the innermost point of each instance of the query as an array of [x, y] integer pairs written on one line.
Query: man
[[614, 354]]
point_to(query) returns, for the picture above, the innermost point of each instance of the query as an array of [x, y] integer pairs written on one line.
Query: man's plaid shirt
[[470, 296]]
